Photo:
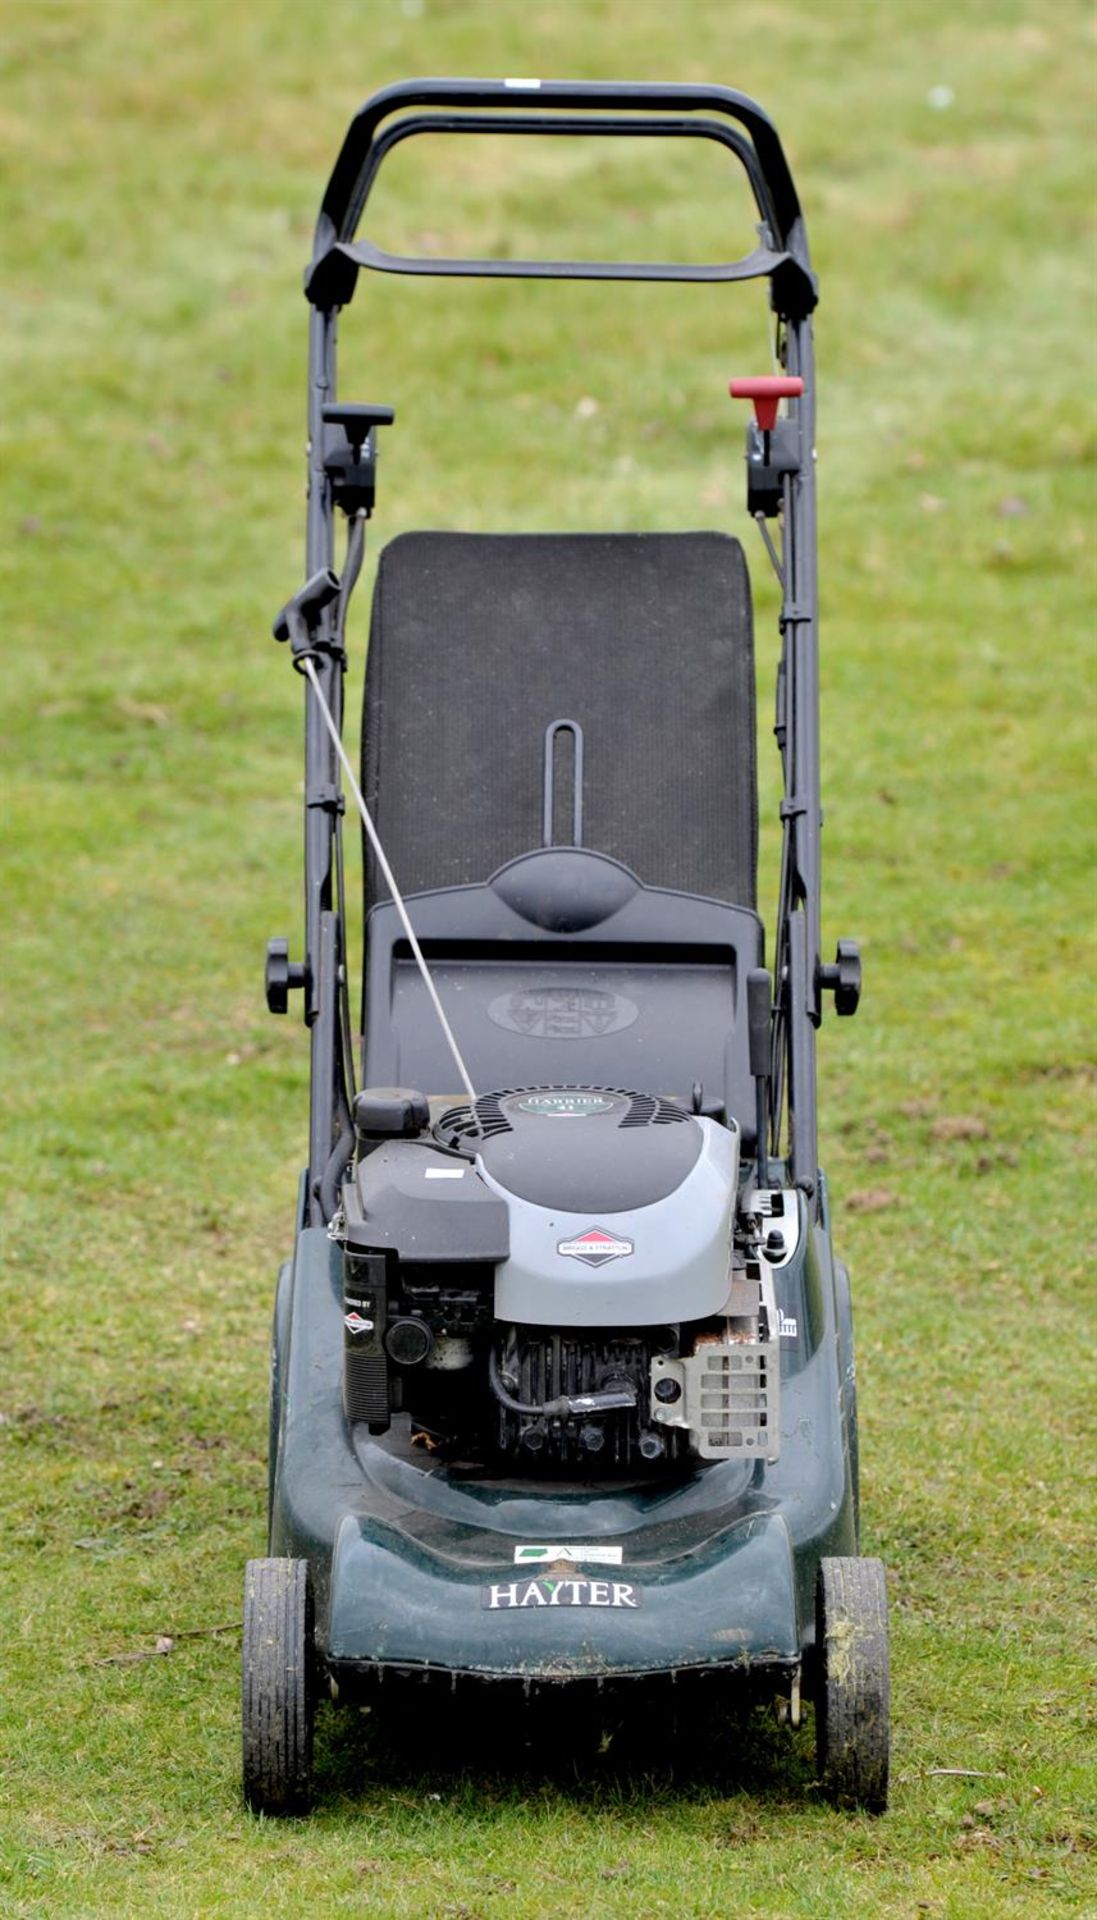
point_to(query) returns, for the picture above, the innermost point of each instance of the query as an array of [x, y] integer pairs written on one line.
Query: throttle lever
[[350, 452], [357, 419], [766, 390]]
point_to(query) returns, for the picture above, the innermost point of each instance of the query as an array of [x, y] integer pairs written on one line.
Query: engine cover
[[620, 1205]]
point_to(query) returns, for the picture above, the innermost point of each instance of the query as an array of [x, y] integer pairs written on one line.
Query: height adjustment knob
[[843, 979], [282, 976]]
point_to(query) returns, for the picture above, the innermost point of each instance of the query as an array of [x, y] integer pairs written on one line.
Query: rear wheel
[[852, 1693], [278, 1692]]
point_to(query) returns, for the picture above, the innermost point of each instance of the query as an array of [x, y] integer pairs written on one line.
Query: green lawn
[[160, 166]]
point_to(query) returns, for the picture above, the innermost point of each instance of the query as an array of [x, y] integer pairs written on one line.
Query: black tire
[[852, 1690], [278, 1692]]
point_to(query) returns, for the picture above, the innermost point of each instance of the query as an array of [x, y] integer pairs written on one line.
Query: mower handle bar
[[572, 107], [577, 108]]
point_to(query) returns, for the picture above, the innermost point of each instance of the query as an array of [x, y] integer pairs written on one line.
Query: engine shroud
[[620, 1204]]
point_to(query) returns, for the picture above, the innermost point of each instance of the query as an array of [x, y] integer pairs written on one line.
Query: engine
[[580, 1401], [557, 1280]]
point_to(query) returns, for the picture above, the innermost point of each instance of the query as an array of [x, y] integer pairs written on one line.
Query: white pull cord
[[397, 896]]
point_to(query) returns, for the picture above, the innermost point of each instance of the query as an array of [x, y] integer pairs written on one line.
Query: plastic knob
[[282, 976], [843, 979]]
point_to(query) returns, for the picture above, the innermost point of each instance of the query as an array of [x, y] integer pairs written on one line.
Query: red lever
[[766, 389]]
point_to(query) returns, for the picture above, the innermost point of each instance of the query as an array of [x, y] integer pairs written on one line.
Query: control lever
[[760, 1041], [773, 448], [350, 453], [297, 620], [766, 390], [357, 419]]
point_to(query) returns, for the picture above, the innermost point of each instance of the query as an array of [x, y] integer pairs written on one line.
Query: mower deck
[[414, 1558]]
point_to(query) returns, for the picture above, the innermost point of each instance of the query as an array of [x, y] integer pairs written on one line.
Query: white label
[[445, 1173], [529, 86], [561, 1592], [591, 1556]]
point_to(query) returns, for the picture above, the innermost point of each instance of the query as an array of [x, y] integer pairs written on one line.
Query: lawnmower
[[562, 1383]]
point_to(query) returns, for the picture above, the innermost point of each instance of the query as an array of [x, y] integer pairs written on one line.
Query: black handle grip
[[759, 1022], [350, 180]]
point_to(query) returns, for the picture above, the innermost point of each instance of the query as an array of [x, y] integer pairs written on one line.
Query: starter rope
[[390, 881]]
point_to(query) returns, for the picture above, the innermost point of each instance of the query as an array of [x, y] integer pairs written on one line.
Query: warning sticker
[[565, 1591], [591, 1556]]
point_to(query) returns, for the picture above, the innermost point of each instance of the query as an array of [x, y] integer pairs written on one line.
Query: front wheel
[[278, 1693], [852, 1692]]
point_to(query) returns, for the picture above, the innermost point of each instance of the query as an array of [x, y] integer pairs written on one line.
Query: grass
[[161, 167]]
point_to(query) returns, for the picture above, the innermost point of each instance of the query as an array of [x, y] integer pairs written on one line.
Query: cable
[[328, 1187], [397, 896], [352, 567], [620, 1399]]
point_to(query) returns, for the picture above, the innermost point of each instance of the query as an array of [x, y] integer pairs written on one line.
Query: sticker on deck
[[592, 1556], [563, 1591]]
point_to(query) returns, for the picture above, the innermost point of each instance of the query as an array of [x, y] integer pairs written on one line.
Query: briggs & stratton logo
[[595, 1247]]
